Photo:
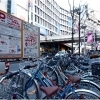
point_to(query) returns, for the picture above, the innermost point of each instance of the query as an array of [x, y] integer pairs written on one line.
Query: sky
[[93, 4]]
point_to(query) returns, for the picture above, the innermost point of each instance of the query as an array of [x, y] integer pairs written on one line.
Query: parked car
[[60, 53]]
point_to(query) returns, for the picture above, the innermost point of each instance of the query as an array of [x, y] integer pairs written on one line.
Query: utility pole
[[96, 40], [28, 13], [72, 26], [79, 27], [29, 3]]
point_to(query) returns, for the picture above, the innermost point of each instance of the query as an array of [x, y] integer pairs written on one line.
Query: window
[[42, 22], [43, 15], [31, 6], [45, 24], [35, 1], [35, 9], [40, 12], [38, 20], [31, 15], [35, 18], [9, 6], [43, 6], [38, 2]]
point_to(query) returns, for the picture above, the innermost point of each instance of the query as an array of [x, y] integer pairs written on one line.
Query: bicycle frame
[[37, 75], [68, 88]]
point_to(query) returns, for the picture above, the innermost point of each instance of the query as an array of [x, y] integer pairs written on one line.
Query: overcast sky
[[94, 4]]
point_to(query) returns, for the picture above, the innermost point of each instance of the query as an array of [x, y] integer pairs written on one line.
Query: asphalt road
[[14, 66]]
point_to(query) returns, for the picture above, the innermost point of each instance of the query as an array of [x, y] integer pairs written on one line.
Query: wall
[[3, 5], [22, 9]]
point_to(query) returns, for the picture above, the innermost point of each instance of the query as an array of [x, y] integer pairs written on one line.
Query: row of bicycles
[[57, 77]]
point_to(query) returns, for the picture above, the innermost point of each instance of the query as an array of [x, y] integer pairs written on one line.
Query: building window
[[35, 1], [35, 18], [38, 10], [38, 20], [31, 15], [38, 2], [43, 23], [35, 9], [9, 6]]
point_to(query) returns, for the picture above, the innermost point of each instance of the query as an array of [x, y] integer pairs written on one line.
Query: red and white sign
[[31, 41], [10, 36], [10, 20]]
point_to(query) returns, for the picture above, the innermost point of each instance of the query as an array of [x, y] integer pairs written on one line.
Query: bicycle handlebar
[[30, 66], [10, 75]]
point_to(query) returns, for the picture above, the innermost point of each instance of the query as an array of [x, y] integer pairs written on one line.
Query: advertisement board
[[10, 36], [31, 43]]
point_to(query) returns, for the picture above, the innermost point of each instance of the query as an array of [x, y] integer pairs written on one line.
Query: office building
[[46, 14]]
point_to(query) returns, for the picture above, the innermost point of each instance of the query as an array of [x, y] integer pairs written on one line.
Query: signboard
[[10, 36], [31, 37]]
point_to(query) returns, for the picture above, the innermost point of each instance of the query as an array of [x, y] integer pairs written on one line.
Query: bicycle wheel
[[4, 89], [89, 85], [33, 91], [51, 73], [15, 96], [93, 78], [82, 94]]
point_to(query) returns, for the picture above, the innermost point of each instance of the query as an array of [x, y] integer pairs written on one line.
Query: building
[[65, 22], [47, 14], [4, 5], [52, 19], [47, 17]]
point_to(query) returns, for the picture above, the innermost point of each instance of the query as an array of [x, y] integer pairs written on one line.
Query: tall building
[[65, 22], [3, 5], [47, 17], [46, 14]]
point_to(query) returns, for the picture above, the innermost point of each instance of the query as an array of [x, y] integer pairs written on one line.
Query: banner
[[10, 36], [90, 37], [31, 41], [18, 39]]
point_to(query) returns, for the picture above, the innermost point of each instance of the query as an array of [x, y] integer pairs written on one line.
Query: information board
[[10, 36], [31, 37]]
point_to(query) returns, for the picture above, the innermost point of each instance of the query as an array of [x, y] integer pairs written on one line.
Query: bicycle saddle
[[49, 91], [74, 78]]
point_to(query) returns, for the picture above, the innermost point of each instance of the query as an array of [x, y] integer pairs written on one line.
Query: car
[[60, 53]]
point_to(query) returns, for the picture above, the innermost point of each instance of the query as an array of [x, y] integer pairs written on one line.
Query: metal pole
[[79, 28], [96, 40], [72, 26], [84, 43], [28, 11]]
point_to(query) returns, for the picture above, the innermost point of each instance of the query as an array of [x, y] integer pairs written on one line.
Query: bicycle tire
[[80, 93], [93, 78], [31, 92], [87, 84], [10, 96]]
